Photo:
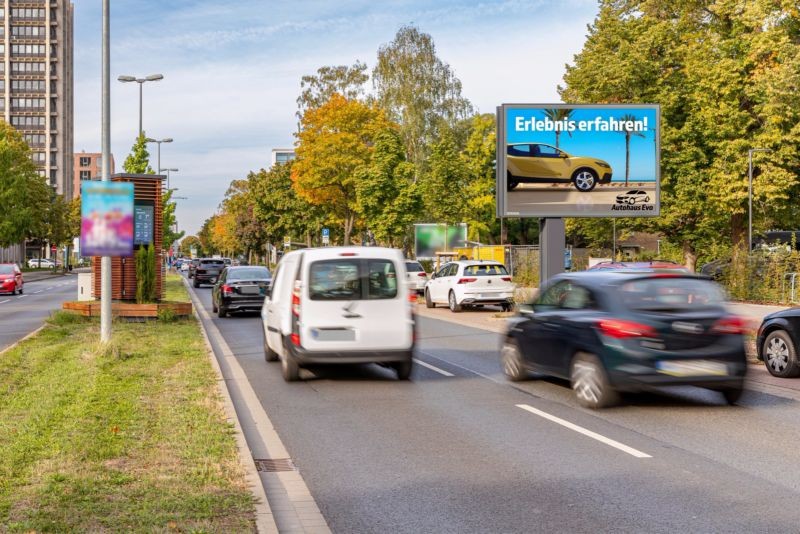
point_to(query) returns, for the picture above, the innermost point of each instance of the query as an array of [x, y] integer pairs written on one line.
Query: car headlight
[[602, 164]]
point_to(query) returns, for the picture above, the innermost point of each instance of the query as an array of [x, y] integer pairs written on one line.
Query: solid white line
[[48, 288], [4, 301], [594, 435], [433, 368]]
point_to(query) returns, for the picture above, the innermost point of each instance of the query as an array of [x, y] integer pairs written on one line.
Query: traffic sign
[[326, 233], [287, 241], [326, 240]]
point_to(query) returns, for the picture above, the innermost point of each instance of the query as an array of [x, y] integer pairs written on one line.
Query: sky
[[232, 70]]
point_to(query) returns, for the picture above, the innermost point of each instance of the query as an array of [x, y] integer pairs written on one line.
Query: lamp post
[[160, 170], [750, 196], [140, 81], [105, 261], [159, 141]]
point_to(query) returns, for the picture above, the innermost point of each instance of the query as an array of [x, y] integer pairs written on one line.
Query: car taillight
[[422, 275], [412, 297], [226, 289], [295, 339], [296, 300], [620, 329], [506, 279], [466, 280], [729, 325]]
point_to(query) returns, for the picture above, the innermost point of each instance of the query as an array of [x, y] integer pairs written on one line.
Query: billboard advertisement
[[578, 160], [430, 239], [106, 218]]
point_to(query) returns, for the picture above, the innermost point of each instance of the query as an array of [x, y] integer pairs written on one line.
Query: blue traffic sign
[[325, 232]]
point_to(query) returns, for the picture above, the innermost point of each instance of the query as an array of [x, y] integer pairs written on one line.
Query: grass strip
[[127, 437]]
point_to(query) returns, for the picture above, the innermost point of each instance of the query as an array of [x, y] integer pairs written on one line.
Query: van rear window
[[348, 279]]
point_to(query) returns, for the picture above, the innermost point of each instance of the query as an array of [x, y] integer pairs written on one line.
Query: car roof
[[330, 253], [611, 276], [477, 262]]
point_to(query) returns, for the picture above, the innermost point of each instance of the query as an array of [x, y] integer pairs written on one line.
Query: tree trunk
[[689, 256], [349, 221], [739, 230]]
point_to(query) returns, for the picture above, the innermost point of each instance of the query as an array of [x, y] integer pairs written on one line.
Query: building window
[[37, 140], [27, 86], [2, 48], [27, 104], [37, 50], [27, 13], [28, 31], [283, 157], [85, 161], [86, 175], [38, 158], [27, 67], [27, 123]]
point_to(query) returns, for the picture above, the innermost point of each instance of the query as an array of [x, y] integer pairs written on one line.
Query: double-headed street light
[[160, 170], [141, 81], [159, 141], [750, 196]]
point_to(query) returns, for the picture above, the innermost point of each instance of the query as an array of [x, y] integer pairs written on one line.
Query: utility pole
[[105, 262]]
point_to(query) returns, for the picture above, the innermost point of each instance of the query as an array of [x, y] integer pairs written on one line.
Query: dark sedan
[[240, 289], [207, 271], [608, 332], [777, 343], [193, 266]]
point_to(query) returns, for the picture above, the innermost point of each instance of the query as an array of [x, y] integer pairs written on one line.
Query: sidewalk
[[758, 376], [35, 276]]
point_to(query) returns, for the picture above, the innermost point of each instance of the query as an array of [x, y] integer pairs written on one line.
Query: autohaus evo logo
[[635, 200]]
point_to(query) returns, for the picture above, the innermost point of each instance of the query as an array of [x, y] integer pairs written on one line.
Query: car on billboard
[[633, 197], [542, 163]]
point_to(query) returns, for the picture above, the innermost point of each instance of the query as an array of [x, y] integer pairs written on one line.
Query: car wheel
[[289, 369], [511, 182], [195, 283], [403, 369], [584, 180], [455, 307], [732, 395], [590, 382], [20, 290], [213, 305], [514, 365], [269, 354], [14, 291], [631, 201], [222, 312], [507, 307], [428, 302], [780, 355]]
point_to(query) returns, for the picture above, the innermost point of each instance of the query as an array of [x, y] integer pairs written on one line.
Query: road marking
[[487, 377], [37, 292], [4, 301], [22, 296], [48, 288], [433, 368], [579, 429]]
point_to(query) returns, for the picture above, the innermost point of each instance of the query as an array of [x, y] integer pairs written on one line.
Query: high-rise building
[[87, 166], [36, 83], [282, 155]]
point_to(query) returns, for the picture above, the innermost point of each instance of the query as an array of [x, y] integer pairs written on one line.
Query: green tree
[[317, 89], [559, 114], [191, 241], [138, 161], [206, 238], [169, 221], [24, 195], [446, 182], [419, 91]]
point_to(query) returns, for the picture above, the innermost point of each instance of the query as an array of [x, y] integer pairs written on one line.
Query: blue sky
[[232, 70]]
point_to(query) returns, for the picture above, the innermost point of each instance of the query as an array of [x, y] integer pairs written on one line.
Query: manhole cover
[[274, 466]]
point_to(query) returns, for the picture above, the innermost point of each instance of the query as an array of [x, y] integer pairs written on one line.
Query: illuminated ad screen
[[574, 160]]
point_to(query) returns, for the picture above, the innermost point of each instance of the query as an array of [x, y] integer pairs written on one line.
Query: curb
[[265, 521], [26, 337]]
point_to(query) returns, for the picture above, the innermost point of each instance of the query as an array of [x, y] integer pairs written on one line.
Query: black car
[[240, 288], [207, 271], [193, 266], [776, 343], [608, 331]]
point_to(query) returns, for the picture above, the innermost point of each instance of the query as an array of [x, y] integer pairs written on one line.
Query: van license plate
[[692, 368], [333, 334]]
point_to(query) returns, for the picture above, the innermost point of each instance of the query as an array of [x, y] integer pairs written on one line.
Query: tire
[[269, 354], [507, 307], [732, 395], [289, 369], [403, 369], [512, 361], [590, 382], [584, 180], [222, 312], [780, 354], [195, 283], [455, 307], [21, 290], [213, 305], [428, 302], [511, 182]]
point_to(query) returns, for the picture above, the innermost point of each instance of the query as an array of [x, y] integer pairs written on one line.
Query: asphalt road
[[22, 314], [460, 449]]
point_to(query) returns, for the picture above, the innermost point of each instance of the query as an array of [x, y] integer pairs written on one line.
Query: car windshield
[[485, 270], [6, 269], [671, 294], [212, 262], [250, 273], [414, 267], [352, 280]]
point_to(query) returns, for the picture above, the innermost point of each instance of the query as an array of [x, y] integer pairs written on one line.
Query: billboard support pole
[[105, 262], [552, 242]]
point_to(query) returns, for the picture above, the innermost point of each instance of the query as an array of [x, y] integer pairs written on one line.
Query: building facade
[[87, 166], [282, 155], [36, 83]]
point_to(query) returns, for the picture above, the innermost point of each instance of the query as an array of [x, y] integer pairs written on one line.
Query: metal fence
[[13, 254]]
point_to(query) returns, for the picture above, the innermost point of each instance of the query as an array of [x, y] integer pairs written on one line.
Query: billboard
[[578, 160], [430, 239], [106, 218]]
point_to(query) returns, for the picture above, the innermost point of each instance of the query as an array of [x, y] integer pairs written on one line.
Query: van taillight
[[295, 339], [620, 329], [506, 279], [296, 299], [466, 280]]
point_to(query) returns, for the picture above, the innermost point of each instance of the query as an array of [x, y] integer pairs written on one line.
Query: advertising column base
[[552, 242]]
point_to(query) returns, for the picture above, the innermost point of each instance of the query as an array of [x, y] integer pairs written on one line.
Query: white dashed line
[[48, 288], [433, 368], [4, 301], [37, 292], [579, 429], [22, 296]]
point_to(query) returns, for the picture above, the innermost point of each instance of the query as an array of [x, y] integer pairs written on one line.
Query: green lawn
[[128, 438]]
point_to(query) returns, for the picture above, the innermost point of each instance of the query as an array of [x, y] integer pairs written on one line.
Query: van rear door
[[352, 303]]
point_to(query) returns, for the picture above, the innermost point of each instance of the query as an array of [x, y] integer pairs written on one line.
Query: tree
[[419, 91], [138, 161], [24, 195], [169, 220], [335, 141], [347, 81], [446, 182], [559, 114], [189, 242], [205, 236]]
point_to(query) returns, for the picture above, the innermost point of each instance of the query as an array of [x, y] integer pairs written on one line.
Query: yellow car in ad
[[541, 163]]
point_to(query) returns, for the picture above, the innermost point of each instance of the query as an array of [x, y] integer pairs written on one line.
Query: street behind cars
[[612, 331], [240, 289]]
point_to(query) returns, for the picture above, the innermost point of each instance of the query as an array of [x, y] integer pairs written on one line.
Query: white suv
[[339, 305], [470, 283]]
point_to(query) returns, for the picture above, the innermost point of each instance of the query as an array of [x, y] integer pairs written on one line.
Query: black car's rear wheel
[[584, 180], [590, 382], [513, 364], [733, 394], [403, 369], [195, 283], [780, 355]]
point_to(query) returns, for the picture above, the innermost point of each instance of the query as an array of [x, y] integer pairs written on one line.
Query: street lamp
[[750, 196], [160, 170], [140, 81], [159, 141]]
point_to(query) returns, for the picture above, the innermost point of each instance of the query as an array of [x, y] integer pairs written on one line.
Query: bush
[[145, 274], [167, 315]]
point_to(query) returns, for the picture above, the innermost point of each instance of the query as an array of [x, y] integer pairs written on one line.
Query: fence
[[13, 254]]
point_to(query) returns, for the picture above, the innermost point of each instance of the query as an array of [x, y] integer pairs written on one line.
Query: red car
[[10, 279]]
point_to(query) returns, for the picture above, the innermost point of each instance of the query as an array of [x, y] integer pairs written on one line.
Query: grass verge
[[127, 437]]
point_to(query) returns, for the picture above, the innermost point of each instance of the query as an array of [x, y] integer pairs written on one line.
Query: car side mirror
[[563, 155]]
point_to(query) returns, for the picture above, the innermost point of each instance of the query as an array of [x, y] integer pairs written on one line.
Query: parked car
[[339, 305], [185, 266], [538, 162], [470, 283], [633, 197], [776, 343], [11, 280], [193, 267], [207, 271], [612, 331], [240, 289], [416, 277], [42, 263], [638, 265]]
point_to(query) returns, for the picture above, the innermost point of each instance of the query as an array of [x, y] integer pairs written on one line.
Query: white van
[[339, 305]]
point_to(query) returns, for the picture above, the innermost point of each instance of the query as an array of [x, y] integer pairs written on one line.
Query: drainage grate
[[274, 466]]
